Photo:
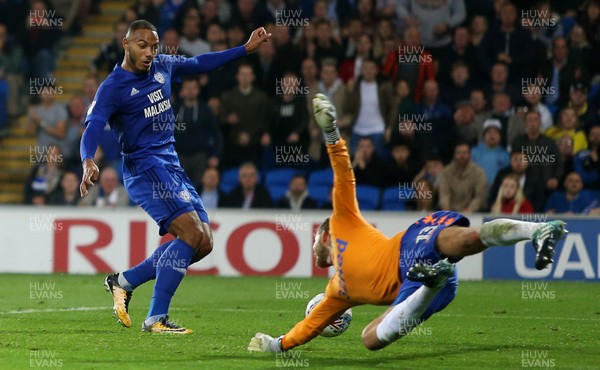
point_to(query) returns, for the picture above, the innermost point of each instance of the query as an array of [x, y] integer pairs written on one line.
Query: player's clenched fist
[[90, 174], [257, 37], [325, 113]]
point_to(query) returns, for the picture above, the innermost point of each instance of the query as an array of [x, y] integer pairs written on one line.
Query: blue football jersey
[[138, 107]]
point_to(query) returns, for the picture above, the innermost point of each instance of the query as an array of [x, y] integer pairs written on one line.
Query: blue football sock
[[143, 271], [170, 269]]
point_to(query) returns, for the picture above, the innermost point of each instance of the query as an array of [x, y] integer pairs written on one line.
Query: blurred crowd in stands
[[468, 105]]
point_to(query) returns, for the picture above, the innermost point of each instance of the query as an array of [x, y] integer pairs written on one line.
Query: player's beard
[[138, 65]]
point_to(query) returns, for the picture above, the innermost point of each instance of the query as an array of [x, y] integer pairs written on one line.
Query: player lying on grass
[[413, 271], [135, 101]]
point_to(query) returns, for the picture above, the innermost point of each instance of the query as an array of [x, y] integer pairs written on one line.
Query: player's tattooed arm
[[257, 37]]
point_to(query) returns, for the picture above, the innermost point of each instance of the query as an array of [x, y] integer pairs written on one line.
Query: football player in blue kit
[[135, 101]]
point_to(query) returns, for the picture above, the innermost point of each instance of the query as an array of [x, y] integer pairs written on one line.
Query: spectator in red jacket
[[510, 198], [411, 63], [350, 68]]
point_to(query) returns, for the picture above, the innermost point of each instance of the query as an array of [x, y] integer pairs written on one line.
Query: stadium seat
[[406, 194], [368, 197], [281, 176], [229, 180], [391, 200], [277, 192], [319, 193], [321, 178]]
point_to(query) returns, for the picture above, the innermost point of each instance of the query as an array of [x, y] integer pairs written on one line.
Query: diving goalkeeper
[[413, 272]]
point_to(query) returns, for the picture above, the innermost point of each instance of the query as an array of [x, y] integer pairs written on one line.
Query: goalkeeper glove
[[265, 343], [325, 113]]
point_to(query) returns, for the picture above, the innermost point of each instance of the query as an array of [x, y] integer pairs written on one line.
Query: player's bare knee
[[194, 236], [189, 228], [206, 246]]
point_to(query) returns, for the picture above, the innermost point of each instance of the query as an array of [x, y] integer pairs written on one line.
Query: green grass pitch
[[66, 321]]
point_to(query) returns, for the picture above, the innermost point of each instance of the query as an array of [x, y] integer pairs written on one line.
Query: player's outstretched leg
[[401, 319], [193, 239], [345, 205], [457, 242]]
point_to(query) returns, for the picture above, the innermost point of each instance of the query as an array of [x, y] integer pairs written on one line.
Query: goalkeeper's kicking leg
[[345, 204], [429, 289]]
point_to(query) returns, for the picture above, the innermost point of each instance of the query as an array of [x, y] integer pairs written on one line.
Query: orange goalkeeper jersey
[[366, 261]]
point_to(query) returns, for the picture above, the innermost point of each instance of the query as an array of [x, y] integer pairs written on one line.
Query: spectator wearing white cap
[[502, 109], [489, 154]]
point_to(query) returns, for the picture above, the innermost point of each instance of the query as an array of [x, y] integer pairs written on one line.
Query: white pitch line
[[51, 310], [499, 316], [502, 316]]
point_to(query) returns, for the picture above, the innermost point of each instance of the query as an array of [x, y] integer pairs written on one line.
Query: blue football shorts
[[165, 193], [418, 246]]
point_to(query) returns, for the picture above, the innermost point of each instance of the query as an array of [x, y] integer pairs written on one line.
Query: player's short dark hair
[[140, 24]]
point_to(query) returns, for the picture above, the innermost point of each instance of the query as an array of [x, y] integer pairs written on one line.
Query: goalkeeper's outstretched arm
[[322, 315]]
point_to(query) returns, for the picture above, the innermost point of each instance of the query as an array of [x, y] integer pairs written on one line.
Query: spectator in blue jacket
[[587, 162], [572, 199], [489, 154]]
